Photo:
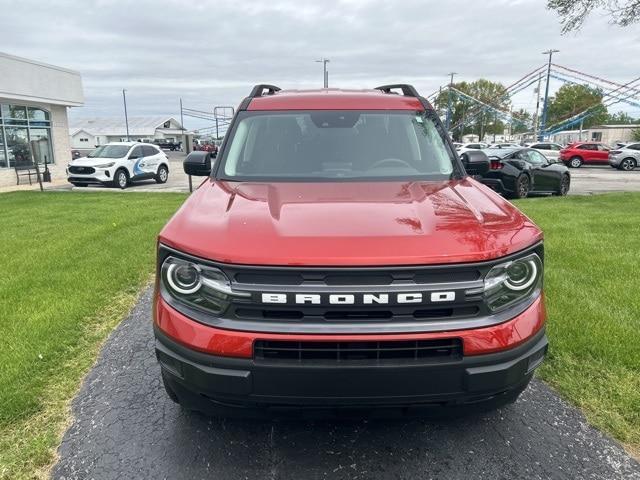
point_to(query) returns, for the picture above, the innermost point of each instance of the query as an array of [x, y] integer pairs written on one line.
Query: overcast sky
[[212, 52]]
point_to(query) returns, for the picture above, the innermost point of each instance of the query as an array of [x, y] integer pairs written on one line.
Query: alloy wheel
[[627, 164], [122, 179], [523, 186]]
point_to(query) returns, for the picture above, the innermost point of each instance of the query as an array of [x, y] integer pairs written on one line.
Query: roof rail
[[258, 90], [407, 90]]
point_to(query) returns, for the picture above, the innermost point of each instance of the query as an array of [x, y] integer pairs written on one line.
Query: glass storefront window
[[24, 135], [18, 146], [38, 114], [16, 112], [3, 156], [40, 144]]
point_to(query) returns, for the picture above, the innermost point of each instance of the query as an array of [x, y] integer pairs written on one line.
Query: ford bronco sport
[[340, 254]]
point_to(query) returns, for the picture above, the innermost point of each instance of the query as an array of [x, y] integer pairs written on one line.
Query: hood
[[90, 162], [348, 224]]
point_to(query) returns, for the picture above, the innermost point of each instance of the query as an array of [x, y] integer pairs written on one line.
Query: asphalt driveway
[[125, 427]]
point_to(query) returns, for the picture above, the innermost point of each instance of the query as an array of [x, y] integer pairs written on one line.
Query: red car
[[576, 154], [339, 253]]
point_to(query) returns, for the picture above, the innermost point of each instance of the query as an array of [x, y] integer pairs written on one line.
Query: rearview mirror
[[197, 164], [475, 162]]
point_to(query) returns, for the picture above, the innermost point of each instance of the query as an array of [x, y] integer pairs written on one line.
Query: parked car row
[[626, 156]]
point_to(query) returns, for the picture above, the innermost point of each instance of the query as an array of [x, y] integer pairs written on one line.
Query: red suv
[[339, 254], [576, 154]]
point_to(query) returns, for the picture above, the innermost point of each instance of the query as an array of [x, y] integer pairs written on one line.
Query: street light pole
[[543, 123], [126, 118], [449, 101], [324, 62]]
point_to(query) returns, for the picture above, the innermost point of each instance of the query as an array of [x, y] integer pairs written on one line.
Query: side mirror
[[197, 164], [475, 162]]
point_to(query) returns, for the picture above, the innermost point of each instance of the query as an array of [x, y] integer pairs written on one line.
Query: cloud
[[211, 52]]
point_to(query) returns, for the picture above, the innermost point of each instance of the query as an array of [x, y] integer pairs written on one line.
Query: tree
[[621, 118], [573, 13], [525, 118], [476, 119], [572, 99]]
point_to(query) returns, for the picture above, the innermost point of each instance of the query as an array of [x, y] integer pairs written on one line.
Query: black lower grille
[[410, 351], [82, 170]]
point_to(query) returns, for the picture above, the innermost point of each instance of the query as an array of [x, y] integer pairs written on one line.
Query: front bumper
[[102, 175], [208, 382]]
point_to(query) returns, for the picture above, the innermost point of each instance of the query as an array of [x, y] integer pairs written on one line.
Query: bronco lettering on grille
[[359, 299]]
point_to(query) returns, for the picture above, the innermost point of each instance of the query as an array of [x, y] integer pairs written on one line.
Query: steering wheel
[[391, 162]]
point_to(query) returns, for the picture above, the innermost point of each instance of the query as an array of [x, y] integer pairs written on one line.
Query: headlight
[[510, 282], [106, 165], [198, 285]]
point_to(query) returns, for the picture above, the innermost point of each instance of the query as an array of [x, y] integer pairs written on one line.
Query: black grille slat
[[82, 170], [416, 351]]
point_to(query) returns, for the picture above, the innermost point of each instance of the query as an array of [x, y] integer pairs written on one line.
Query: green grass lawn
[[592, 286], [72, 265]]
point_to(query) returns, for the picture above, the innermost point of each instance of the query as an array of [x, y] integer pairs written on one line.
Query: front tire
[[523, 185], [627, 164], [121, 179], [575, 162], [565, 184], [163, 174]]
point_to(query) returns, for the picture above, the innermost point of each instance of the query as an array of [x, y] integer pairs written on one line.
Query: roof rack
[[407, 90], [258, 90]]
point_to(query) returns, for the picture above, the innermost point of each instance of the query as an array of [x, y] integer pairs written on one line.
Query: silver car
[[625, 158], [548, 149]]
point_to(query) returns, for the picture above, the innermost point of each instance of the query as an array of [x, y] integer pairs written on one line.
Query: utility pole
[[535, 116], [449, 101], [183, 139], [581, 124], [126, 118], [495, 125], [324, 62], [543, 125]]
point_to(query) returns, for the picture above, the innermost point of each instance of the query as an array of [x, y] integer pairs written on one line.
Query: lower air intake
[[372, 352]]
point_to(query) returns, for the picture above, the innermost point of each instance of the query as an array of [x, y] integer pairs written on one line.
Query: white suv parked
[[119, 163], [548, 149]]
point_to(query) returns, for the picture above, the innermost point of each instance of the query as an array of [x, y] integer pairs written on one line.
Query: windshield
[[110, 151], [328, 144]]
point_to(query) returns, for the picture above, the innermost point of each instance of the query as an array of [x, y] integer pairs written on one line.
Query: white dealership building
[[34, 98]]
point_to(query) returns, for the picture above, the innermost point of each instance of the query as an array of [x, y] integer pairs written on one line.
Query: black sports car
[[516, 172]]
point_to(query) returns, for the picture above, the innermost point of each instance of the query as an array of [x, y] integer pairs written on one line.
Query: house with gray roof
[[88, 133]]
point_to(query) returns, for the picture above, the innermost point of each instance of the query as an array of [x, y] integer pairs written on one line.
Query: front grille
[[82, 170], [461, 278], [366, 352], [355, 314]]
